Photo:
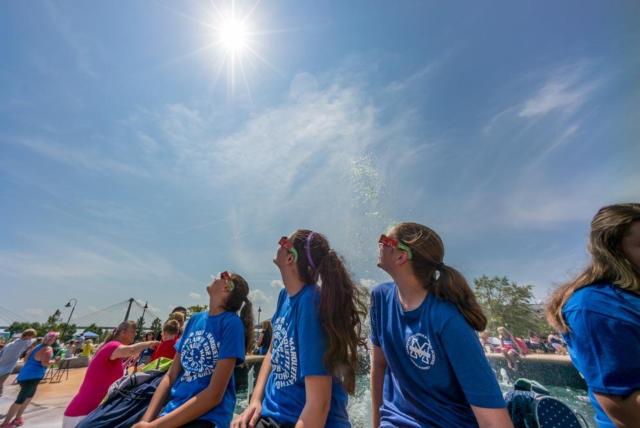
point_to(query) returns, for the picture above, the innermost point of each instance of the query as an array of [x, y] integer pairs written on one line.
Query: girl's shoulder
[[442, 312], [601, 297]]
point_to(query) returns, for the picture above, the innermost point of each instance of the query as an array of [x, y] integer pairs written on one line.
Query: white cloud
[[266, 302], [277, 284], [195, 296], [566, 90], [74, 156], [67, 261]]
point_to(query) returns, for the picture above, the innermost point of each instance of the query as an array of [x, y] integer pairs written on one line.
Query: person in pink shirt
[[106, 367]]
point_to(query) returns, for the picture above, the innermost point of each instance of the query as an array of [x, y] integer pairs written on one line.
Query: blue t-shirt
[[436, 367], [604, 341], [297, 347], [205, 341]]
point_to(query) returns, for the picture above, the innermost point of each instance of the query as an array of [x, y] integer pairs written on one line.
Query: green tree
[[196, 308], [19, 327], [156, 326], [139, 328], [508, 304]]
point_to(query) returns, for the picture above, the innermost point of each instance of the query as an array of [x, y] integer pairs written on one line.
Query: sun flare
[[233, 36]]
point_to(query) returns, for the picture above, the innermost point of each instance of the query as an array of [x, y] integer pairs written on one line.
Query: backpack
[[530, 405]]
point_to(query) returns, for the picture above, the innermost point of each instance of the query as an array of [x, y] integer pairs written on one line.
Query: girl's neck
[[411, 292], [215, 308], [292, 282]]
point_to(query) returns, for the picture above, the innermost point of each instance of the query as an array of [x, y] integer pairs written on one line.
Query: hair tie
[[307, 247], [440, 266]]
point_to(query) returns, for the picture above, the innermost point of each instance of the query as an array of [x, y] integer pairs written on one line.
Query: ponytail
[[343, 327], [246, 315], [453, 287], [239, 301], [442, 280]]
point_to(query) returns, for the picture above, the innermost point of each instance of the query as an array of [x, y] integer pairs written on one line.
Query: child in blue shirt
[[310, 365], [200, 385], [428, 368], [598, 314]]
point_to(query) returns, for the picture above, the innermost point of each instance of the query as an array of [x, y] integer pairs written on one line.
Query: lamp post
[[68, 305], [259, 310]]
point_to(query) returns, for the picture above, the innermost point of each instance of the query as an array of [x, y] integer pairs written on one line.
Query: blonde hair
[[178, 316], [171, 327], [608, 262]]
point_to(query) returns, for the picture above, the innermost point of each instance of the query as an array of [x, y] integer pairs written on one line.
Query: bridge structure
[[105, 318]]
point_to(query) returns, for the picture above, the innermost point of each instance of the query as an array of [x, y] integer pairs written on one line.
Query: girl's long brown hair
[[239, 301], [608, 263], [428, 253], [342, 305]]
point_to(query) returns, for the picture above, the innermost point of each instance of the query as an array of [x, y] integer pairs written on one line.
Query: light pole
[[68, 305]]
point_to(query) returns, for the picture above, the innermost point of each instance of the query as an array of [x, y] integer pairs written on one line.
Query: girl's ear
[[402, 258]]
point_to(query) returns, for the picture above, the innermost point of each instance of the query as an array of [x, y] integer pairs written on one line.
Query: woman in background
[[106, 367], [33, 371]]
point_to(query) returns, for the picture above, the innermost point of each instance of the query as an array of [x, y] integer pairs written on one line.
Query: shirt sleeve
[[605, 350], [470, 364], [312, 338], [373, 321], [232, 341]]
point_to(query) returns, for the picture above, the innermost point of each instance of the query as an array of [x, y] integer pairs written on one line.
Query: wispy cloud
[[195, 296], [61, 262], [75, 40], [73, 156], [565, 90]]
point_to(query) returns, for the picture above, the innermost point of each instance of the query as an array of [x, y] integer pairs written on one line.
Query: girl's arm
[[316, 407], [202, 402], [251, 414], [623, 411], [125, 351], [44, 355], [162, 391], [378, 366], [492, 418]]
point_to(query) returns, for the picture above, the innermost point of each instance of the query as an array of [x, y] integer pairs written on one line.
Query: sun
[[234, 44], [233, 36]]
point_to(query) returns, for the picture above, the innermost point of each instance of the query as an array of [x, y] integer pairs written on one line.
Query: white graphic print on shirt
[[420, 351], [284, 358], [199, 355]]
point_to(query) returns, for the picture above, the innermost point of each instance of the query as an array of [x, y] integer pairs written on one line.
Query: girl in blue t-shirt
[[428, 368], [598, 314], [310, 366], [199, 385]]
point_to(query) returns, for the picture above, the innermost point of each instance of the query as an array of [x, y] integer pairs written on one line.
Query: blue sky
[[133, 163]]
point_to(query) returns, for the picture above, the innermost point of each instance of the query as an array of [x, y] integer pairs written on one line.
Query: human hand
[[143, 424], [249, 417]]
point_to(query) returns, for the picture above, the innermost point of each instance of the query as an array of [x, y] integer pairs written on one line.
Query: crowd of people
[[515, 347], [428, 341]]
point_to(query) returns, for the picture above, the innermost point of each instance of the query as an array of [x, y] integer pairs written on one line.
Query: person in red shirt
[[167, 347]]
